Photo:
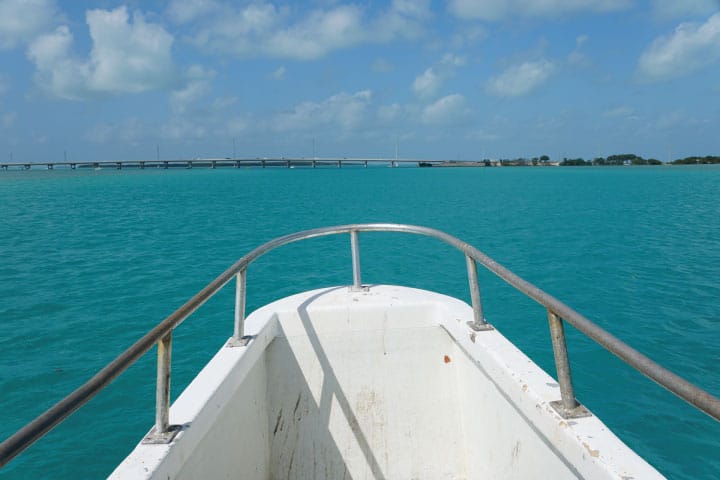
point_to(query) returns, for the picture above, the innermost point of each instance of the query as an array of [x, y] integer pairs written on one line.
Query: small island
[[632, 159], [625, 159]]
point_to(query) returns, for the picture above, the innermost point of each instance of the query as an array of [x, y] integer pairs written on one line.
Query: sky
[[455, 79]]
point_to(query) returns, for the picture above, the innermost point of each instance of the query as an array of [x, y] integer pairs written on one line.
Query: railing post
[[568, 406], [163, 432], [162, 392], [478, 322], [238, 338], [355, 248]]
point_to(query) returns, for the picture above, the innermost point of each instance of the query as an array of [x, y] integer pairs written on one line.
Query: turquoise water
[[92, 259]]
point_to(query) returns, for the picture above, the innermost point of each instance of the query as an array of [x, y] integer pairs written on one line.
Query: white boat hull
[[386, 383]]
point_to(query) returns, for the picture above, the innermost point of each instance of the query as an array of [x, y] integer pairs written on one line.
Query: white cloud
[[23, 20], [319, 33], [691, 47], [264, 29], [412, 8], [404, 19], [125, 57], [448, 109], [195, 115], [198, 86], [679, 8], [391, 113], [578, 56], [494, 10], [278, 74], [325, 31], [185, 11], [341, 110], [520, 79], [224, 102], [468, 34], [429, 82], [57, 72], [190, 121], [128, 57]]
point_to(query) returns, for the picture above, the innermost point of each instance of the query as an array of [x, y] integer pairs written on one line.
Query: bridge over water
[[235, 163]]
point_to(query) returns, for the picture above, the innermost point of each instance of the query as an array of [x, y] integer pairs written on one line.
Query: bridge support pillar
[[142, 165], [165, 165]]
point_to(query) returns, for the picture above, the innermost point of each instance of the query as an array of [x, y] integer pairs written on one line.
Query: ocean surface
[[92, 259]]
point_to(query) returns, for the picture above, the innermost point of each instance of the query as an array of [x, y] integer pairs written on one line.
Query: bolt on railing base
[[480, 327], [163, 438], [578, 412], [239, 342]]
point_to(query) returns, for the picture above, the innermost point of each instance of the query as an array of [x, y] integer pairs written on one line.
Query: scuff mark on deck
[[515, 452], [297, 404], [277, 422]]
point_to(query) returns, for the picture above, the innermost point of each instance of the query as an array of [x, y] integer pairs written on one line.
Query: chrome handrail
[[162, 335]]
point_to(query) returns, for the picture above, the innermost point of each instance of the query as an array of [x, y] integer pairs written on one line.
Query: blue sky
[[457, 79]]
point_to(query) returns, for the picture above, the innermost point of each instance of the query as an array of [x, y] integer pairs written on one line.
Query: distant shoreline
[[337, 162]]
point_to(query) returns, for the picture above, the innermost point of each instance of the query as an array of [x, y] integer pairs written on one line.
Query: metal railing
[[162, 336]]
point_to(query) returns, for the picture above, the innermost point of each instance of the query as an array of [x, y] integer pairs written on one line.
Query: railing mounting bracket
[[578, 412], [483, 327], [362, 288], [239, 342], [163, 438]]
